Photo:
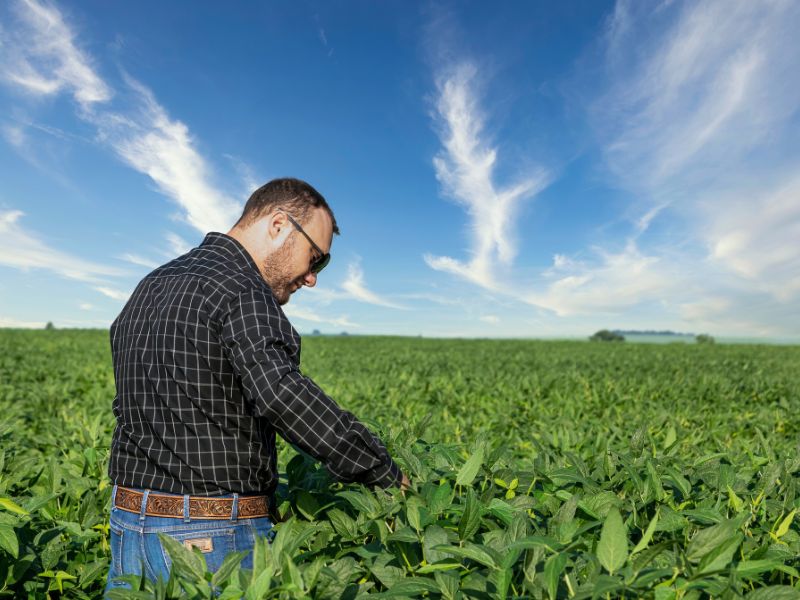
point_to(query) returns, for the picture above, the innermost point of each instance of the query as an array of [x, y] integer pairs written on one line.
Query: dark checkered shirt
[[207, 370]]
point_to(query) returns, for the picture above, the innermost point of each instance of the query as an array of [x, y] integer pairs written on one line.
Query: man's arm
[[258, 339]]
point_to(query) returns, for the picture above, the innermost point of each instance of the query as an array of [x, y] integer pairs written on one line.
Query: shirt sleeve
[[259, 341]]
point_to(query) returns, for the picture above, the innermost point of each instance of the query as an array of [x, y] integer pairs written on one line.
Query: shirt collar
[[231, 246]]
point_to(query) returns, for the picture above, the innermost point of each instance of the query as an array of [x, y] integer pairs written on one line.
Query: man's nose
[[310, 279]]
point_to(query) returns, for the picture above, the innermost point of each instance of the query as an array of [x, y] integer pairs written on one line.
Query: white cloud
[[138, 260], [699, 123], [491, 319], [307, 314], [465, 168], [22, 249], [355, 286], [41, 57], [757, 237], [610, 283], [14, 135], [113, 293], [177, 244], [163, 149], [19, 324], [86, 306]]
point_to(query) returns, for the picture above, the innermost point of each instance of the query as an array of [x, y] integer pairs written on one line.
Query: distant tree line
[[604, 335]]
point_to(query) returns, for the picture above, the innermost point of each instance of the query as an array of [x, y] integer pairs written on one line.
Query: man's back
[[183, 425]]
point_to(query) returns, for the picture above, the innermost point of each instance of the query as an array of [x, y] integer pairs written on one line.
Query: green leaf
[[604, 585], [501, 580], [361, 502], [410, 587], [404, 534], [386, 570], [184, 561], [774, 592], [440, 499], [706, 540], [721, 555], [258, 588], [434, 536], [474, 552], [439, 566], [536, 541], [751, 568], [469, 469], [647, 536], [783, 528], [307, 505], [228, 566], [343, 524], [8, 540], [612, 549], [448, 584], [671, 437], [501, 510], [412, 512], [12, 506], [552, 573], [471, 517]]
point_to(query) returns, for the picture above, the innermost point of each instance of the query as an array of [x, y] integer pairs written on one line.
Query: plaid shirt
[[207, 371]]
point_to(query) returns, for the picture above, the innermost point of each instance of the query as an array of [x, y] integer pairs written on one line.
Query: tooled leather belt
[[200, 507]]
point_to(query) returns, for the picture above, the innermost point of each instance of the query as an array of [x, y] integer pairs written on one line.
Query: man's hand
[[405, 484]]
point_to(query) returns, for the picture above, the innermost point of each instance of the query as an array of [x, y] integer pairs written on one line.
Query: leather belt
[[200, 507]]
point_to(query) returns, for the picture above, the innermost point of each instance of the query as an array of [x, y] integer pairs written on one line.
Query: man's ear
[[278, 227]]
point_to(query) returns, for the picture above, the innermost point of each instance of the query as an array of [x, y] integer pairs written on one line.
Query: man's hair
[[294, 196]]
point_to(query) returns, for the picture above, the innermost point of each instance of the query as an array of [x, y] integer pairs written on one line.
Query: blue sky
[[522, 169]]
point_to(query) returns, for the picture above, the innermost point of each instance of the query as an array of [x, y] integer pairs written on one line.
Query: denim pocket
[[116, 535], [214, 543]]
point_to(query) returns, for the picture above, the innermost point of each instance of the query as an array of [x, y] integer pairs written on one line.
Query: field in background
[[541, 469]]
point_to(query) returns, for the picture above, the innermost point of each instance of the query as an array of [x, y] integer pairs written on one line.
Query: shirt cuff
[[385, 475]]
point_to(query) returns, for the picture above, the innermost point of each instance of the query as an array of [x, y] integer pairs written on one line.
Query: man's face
[[287, 268]]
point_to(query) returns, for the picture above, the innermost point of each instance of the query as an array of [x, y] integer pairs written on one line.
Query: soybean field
[[539, 469]]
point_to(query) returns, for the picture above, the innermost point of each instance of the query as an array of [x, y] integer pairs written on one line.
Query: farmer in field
[[207, 372]]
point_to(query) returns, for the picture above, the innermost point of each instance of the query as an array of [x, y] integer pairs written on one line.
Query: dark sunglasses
[[323, 258]]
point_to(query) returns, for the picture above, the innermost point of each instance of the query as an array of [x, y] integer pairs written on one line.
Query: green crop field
[[539, 470]]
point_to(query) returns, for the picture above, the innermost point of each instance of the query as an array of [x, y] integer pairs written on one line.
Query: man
[[207, 372]]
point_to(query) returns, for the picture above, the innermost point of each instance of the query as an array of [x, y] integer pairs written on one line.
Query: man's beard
[[276, 268]]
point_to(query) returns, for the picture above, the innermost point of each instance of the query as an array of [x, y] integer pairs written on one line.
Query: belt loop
[[235, 507], [186, 517], [114, 496], [143, 511]]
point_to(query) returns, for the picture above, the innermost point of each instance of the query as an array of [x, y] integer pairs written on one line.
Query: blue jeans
[[136, 549]]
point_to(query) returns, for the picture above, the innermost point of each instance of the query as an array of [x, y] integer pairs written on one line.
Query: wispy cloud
[[20, 324], [113, 293], [43, 58], [135, 259], [704, 84], [23, 249], [307, 314], [607, 283], [356, 288], [757, 234], [177, 244], [163, 149], [465, 167], [699, 122]]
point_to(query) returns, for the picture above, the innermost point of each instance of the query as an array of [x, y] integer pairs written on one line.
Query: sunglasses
[[322, 259]]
